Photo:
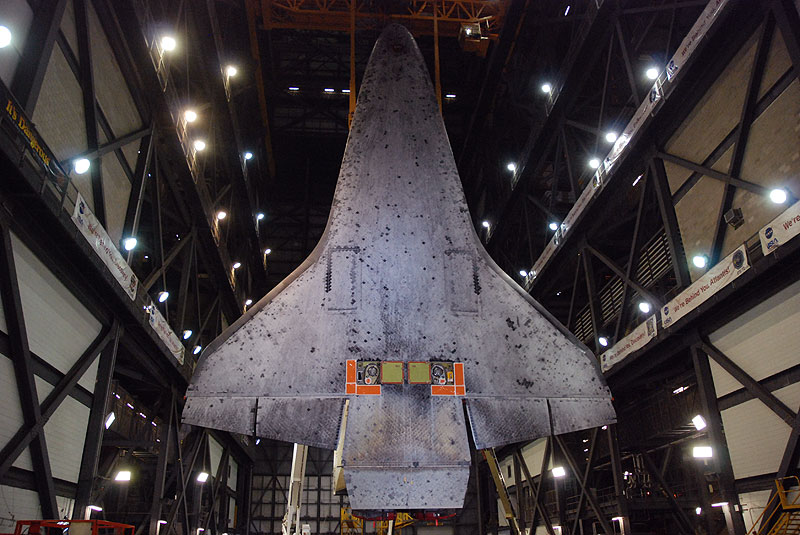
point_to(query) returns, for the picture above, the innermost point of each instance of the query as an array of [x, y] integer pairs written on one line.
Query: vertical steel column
[[721, 460], [164, 453], [96, 424], [633, 258], [519, 489], [594, 309], [616, 472], [23, 371]]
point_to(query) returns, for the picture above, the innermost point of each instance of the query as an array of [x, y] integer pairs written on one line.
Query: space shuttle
[[400, 313]]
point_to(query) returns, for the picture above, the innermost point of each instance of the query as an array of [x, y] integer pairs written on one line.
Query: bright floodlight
[[546, 88], [168, 43], [594, 163], [329, 90], [644, 306], [553, 226], [231, 71], [196, 350], [260, 216], [248, 302], [199, 145], [611, 137], [603, 341], [450, 95], [202, 477], [700, 260], [511, 166], [719, 504], [485, 224], [163, 296], [559, 471], [699, 422], [248, 155], [129, 243], [778, 196], [267, 251], [294, 88], [187, 334], [123, 475], [222, 214], [237, 265], [190, 116], [651, 73], [523, 273], [81, 165], [95, 508], [345, 91], [110, 419], [5, 37], [702, 452], [698, 510]]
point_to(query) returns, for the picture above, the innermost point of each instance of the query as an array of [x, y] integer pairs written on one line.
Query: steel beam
[[164, 452], [670, 220], [619, 485], [788, 18], [23, 372], [680, 515], [633, 259], [536, 490], [594, 307], [586, 473], [704, 170], [96, 424], [610, 264]]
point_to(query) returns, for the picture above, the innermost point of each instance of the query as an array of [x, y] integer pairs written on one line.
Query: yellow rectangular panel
[[419, 372]]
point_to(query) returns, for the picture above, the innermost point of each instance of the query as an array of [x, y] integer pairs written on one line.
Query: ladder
[[782, 510]]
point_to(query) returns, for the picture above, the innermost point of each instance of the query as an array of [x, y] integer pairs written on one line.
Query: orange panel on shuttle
[[442, 390], [459, 368], [350, 388], [368, 390], [460, 391], [351, 371]]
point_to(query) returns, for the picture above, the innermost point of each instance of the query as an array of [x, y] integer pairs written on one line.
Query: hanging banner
[[780, 230], [100, 241], [165, 332], [695, 35], [637, 339], [715, 279]]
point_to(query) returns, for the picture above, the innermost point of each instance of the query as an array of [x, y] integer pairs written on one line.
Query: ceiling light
[[345, 91], [700, 261], [129, 243], [95, 508], [485, 224], [594, 163], [719, 504], [248, 302], [267, 250], [651, 73], [778, 196], [680, 389], [231, 71], [566, 11], [199, 145], [638, 178], [644, 307], [237, 265], [260, 216], [450, 95], [294, 88], [258, 441], [699, 422], [168, 43], [558, 471], [511, 166], [329, 90], [546, 88], [604, 427], [123, 475], [187, 334], [611, 137], [5, 36], [163, 296], [222, 214], [523, 273], [202, 477], [162, 522], [248, 155], [553, 226], [197, 350], [603, 341], [110, 419], [190, 116], [81, 165], [698, 510], [702, 452]]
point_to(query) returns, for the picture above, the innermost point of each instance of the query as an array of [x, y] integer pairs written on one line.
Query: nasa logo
[[738, 259], [772, 244], [666, 311], [768, 232]]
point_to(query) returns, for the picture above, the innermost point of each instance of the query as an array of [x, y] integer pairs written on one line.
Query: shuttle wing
[[401, 282]]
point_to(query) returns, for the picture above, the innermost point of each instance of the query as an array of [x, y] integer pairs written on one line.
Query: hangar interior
[[634, 165]]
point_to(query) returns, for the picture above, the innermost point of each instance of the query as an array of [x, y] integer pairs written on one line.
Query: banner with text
[[715, 279], [637, 339], [101, 242], [780, 230], [165, 332]]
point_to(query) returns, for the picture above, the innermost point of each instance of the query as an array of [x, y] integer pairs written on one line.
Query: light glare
[[168, 43], [778, 196], [700, 261], [611, 137], [267, 251], [553, 226], [511, 166], [698, 510], [231, 71], [187, 334], [523, 273], [163, 296], [248, 302], [199, 145], [644, 307], [5, 36], [222, 214], [202, 477], [197, 350], [594, 163], [558, 471], [130, 243], [603, 341], [248, 155], [699, 422], [260, 216], [702, 452], [485, 224], [237, 265], [546, 88], [190, 116], [123, 475], [651, 73], [81, 165], [110, 419]]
